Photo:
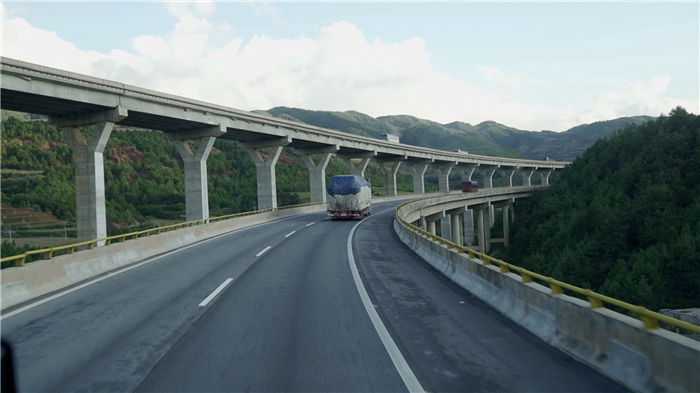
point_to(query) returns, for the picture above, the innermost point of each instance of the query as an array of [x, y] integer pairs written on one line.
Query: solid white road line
[[291, 233], [308, 225], [409, 379], [263, 251], [111, 274], [216, 292]]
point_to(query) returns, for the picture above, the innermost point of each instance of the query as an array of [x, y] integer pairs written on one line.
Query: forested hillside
[[624, 218], [489, 137]]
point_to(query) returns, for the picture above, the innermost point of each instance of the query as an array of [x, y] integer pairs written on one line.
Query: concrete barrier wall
[[617, 345], [20, 284]]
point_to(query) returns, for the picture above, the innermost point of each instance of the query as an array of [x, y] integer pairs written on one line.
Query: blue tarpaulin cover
[[347, 185]]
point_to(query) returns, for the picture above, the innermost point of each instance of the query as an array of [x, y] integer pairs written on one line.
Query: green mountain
[[624, 218], [489, 138]]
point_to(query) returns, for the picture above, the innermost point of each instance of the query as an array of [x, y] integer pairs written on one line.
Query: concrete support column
[[488, 176], [508, 177], [468, 227], [91, 220], [418, 172], [527, 176], [390, 177], [421, 223], [455, 226], [454, 221], [443, 178], [512, 212], [196, 186], [506, 228], [430, 222], [492, 216], [446, 228], [544, 176], [317, 176], [466, 173], [358, 169], [267, 180], [430, 226], [90, 207], [483, 231]]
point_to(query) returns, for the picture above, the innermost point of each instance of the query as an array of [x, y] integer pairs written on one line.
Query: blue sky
[[534, 66]]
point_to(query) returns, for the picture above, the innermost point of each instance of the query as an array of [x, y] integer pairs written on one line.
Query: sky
[[533, 66]]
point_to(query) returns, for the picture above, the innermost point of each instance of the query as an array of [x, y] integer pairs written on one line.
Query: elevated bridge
[[73, 100]]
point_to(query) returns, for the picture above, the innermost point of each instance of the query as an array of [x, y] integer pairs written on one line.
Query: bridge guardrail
[[20, 259], [649, 318]]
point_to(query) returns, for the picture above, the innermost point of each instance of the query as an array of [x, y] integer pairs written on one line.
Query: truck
[[470, 186], [389, 138], [349, 196]]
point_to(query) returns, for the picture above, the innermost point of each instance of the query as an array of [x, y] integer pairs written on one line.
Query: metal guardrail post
[[595, 302]]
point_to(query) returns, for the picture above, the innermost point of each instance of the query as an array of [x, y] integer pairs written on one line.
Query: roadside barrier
[[649, 318], [20, 260], [633, 351]]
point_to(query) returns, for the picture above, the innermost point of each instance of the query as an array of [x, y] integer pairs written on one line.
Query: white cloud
[[496, 75], [632, 99], [266, 9], [340, 69]]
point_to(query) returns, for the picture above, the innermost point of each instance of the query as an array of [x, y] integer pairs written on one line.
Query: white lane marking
[[263, 251], [111, 274], [291, 233], [216, 292], [409, 379], [308, 225]]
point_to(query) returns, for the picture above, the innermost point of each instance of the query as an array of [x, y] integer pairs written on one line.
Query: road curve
[[275, 308]]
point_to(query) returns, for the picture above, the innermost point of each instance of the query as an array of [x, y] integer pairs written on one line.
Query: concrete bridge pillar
[[488, 176], [446, 228], [466, 173], [455, 225], [468, 227], [265, 166], [359, 168], [418, 172], [544, 176], [508, 177], [430, 226], [421, 223], [456, 238], [483, 232], [506, 227], [430, 221], [527, 176], [317, 172], [90, 207], [390, 177], [317, 176], [196, 184], [443, 177]]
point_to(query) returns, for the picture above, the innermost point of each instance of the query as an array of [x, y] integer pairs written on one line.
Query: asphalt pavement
[[274, 308]]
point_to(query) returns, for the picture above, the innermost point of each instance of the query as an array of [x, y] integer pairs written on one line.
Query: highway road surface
[[302, 304]]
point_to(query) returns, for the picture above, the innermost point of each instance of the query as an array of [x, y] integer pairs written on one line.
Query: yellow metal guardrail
[[20, 259], [650, 318]]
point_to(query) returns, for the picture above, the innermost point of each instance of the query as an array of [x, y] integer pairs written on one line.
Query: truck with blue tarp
[[349, 196]]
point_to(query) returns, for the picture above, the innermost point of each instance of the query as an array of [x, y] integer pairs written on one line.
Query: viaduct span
[[73, 100]]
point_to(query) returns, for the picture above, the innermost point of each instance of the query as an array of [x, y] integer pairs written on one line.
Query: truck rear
[[349, 196]]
